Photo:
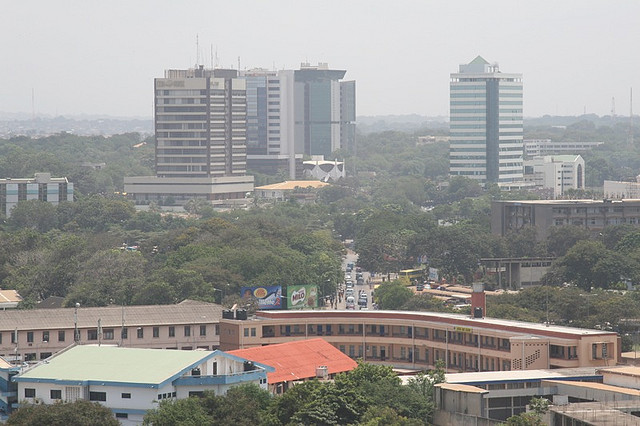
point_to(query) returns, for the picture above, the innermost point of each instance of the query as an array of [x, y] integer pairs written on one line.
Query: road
[[352, 256]]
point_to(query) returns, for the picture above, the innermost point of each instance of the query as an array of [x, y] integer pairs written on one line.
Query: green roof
[[115, 364], [479, 60]]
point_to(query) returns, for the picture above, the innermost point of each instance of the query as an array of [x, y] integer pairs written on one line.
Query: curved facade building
[[417, 340]]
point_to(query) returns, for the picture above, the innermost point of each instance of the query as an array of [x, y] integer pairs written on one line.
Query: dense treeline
[[78, 251]]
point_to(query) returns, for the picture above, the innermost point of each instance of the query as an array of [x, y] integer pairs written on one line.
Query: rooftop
[[115, 364], [293, 184], [185, 312], [571, 202], [520, 375], [298, 360]]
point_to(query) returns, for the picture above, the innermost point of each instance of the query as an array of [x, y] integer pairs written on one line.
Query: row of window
[[109, 333]]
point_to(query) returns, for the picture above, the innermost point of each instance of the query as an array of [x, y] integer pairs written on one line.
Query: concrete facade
[[417, 340], [592, 215], [42, 187], [556, 172]]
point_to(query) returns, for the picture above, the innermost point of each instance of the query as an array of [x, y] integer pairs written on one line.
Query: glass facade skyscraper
[[486, 127]]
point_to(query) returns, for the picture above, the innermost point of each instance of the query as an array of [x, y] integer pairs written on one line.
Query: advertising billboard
[[302, 296], [268, 297]]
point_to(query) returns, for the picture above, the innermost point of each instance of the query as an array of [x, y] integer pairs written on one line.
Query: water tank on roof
[[227, 314], [241, 314], [249, 366]]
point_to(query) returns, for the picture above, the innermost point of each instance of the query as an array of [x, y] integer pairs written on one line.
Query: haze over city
[[100, 58]]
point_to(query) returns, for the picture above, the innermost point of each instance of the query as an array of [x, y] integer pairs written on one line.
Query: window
[[31, 356], [126, 395], [246, 332], [61, 336], [172, 331], [203, 330], [14, 336], [253, 332], [29, 336], [45, 336], [29, 393], [97, 396], [156, 331], [56, 394], [187, 330], [0, 338], [45, 355], [140, 332], [107, 334], [92, 334], [124, 333], [122, 416]]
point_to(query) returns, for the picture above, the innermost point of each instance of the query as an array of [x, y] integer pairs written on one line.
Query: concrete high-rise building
[[486, 133], [201, 139]]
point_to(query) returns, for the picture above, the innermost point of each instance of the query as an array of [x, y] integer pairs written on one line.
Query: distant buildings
[[556, 173], [201, 139], [132, 381], [486, 127], [622, 190], [41, 187], [592, 215], [291, 113], [300, 190], [537, 147]]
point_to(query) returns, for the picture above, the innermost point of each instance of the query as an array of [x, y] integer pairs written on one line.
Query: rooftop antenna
[[211, 54], [631, 116], [238, 63], [216, 63], [197, 51]]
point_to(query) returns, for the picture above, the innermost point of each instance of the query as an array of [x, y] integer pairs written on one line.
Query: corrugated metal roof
[[115, 364], [186, 312], [298, 360]]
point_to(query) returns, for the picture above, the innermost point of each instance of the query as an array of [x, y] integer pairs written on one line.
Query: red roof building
[[298, 360]]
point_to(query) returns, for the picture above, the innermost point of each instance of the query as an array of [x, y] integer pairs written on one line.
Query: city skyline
[[101, 59]]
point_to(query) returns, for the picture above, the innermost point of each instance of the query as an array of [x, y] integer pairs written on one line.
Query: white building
[[486, 127], [42, 187], [537, 147], [622, 190], [324, 170], [556, 172], [132, 381]]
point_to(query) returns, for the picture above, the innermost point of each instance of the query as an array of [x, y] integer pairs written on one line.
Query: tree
[[35, 214], [392, 295], [186, 412], [80, 412]]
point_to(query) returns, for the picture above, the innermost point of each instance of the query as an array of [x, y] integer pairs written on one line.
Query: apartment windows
[[61, 336], [187, 331], [140, 333], [45, 336], [203, 330], [172, 331], [29, 393], [124, 333], [156, 332], [56, 394], [92, 334], [126, 395], [29, 336], [108, 334]]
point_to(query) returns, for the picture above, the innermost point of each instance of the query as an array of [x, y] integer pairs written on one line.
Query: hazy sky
[[100, 57]]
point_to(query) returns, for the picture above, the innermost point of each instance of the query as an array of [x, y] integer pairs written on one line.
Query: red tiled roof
[[298, 360]]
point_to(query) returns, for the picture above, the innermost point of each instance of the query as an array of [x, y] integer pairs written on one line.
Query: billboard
[[433, 274], [302, 296], [268, 297]]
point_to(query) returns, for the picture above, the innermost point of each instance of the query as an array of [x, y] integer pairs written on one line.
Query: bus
[[412, 274]]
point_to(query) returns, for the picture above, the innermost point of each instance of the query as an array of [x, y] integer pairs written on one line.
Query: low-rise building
[[131, 381], [622, 190], [32, 335], [536, 147], [9, 299], [324, 170], [42, 187], [298, 361], [418, 340], [558, 173], [301, 190], [592, 215]]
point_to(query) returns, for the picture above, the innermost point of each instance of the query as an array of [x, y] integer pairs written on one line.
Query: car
[[349, 284], [348, 276], [349, 292]]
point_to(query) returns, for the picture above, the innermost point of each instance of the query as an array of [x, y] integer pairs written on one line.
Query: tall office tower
[[270, 121], [324, 110], [201, 123], [486, 134], [201, 140]]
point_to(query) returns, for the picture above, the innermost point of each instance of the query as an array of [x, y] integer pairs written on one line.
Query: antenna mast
[[197, 51]]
